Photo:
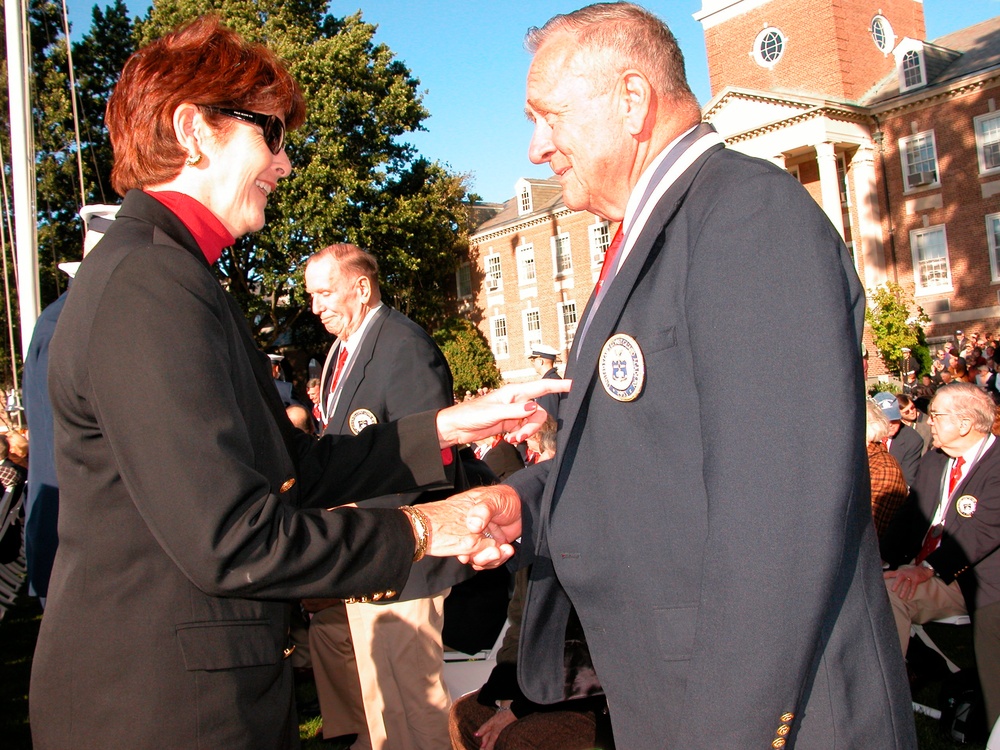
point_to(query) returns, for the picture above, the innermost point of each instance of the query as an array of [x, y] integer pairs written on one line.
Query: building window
[[768, 47], [463, 280], [882, 34], [845, 199], [919, 156], [532, 330], [524, 200], [526, 264], [498, 329], [993, 240], [562, 256], [567, 318], [912, 70], [931, 271], [600, 240], [494, 278], [988, 142]]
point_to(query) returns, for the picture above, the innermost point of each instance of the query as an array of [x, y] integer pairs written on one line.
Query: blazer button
[[785, 718], [287, 485], [778, 743]]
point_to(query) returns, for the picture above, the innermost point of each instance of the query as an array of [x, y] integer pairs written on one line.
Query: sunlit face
[[578, 131], [339, 301], [947, 428], [908, 412], [242, 173], [312, 392]]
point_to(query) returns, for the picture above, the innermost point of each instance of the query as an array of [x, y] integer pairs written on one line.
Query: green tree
[[469, 356], [896, 324], [354, 179]]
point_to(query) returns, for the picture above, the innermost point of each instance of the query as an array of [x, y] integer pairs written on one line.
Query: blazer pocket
[[675, 629], [662, 339], [229, 644]]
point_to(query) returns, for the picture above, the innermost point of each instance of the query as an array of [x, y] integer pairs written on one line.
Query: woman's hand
[[509, 411]]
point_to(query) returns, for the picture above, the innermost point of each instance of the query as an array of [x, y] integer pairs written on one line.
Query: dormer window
[[913, 70], [882, 34], [524, 199], [910, 64]]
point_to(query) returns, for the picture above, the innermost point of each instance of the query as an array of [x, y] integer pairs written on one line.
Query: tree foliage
[[354, 179], [469, 356], [896, 324]]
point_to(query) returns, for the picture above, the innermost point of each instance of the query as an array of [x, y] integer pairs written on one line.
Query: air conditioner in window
[[919, 179]]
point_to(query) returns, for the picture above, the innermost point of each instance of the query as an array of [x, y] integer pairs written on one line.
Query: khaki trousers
[[336, 673], [400, 661]]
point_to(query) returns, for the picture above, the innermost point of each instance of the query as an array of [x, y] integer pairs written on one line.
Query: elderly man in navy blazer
[[953, 560], [382, 367], [717, 546]]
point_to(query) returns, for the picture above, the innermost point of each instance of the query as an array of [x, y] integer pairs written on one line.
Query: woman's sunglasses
[[271, 125]]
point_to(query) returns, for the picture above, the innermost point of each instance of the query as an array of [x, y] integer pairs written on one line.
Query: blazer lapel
[[361, 359]]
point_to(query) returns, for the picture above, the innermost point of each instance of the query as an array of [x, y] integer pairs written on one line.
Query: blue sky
[[469, 57]]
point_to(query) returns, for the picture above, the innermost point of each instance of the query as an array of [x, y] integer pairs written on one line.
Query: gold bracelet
[[422, 526]]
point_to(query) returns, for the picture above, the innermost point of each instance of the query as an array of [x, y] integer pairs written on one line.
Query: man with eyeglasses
[[952, 533]]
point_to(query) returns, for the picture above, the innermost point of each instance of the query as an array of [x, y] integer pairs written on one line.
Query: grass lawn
[[19, 629]]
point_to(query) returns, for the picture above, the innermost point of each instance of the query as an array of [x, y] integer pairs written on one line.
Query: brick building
[[896, 137]]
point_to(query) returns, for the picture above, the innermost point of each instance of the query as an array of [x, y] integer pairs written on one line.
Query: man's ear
[[636, 100], [365, 288]]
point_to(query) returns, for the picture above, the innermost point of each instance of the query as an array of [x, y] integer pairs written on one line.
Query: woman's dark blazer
[[190, 512]]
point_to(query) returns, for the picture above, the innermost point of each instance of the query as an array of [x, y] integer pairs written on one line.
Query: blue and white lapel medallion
[[360, 419], [621, 367]]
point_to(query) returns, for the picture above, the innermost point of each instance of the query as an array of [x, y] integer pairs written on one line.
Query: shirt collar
[[210, 234]]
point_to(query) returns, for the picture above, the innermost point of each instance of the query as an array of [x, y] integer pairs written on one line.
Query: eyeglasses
[[939, 414], [271, 125]]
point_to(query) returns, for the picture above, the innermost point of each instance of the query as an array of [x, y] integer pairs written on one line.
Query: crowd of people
[[658, 525]]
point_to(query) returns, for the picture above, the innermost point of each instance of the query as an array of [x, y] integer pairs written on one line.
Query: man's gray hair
[[614, 37], [353, 259], [969, 401], [876, 423]]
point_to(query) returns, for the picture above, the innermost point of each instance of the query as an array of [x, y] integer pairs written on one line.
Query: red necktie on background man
[[932, 539]]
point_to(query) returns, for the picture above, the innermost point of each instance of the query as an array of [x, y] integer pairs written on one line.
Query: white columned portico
[[868, 244], [826, 158]]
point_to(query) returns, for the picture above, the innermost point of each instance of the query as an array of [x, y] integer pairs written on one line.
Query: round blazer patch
[[360, 419], [966, 506], [621, 367]]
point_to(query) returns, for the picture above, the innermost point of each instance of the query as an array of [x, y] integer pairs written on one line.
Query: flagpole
[[22, 155]]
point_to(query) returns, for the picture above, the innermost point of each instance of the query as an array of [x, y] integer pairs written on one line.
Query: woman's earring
[[193, 160]]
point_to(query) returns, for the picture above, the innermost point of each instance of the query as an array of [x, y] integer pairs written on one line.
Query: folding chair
[[464, 673], [918, 630]]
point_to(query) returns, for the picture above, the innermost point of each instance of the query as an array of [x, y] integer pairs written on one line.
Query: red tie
[[956, 474], [932, 539], [611, 256], [341, 359]]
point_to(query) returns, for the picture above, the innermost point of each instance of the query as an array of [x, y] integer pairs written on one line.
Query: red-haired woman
[[190, 509]]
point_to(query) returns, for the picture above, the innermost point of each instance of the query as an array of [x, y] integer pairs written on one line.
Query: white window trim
[[520, 251], [906, 46], [902, 143], [489, 276], [757, 53], [564, 342], [553, 243], [980, 155], [593, 232], [890, 34], [919, 289], [994, 247], [529, 341], [495, 339], [523, 190], [465, 266]]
